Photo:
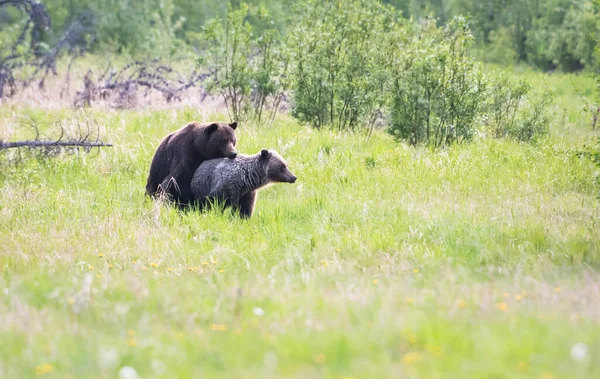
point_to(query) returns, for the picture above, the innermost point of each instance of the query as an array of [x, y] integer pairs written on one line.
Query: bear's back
[[223, 177]]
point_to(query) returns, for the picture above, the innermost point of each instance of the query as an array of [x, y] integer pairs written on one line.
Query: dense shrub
[[340, 62], [247, 70], [139, 27], [546, 34], [438, 89], [513, 111]]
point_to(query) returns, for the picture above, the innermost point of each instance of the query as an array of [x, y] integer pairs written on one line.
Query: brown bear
[[235, 182], [181, 152]]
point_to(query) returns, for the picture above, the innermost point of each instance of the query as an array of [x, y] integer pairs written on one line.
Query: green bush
[[247, 70], [438, 89], [506, 95], [340, 62], [139, 27], [533, 119], [513, 111]]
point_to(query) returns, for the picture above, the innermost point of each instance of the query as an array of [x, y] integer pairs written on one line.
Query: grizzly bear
[[181, 152], [235, 182]]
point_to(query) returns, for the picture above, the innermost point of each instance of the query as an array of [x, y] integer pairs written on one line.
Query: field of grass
[[383, 260]]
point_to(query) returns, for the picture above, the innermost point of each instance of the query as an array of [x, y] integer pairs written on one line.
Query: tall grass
[[383, 260]]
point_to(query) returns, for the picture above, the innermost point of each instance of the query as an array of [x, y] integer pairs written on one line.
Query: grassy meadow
[[383, 260]]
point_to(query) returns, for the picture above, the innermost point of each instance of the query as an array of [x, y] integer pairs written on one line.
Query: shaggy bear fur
[[236, 181], [181, 152]]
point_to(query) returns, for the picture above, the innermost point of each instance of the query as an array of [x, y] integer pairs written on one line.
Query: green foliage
[[248, 71], [546, 34], [499, 50], [596, 74], [513, 111], [506, 95], [534, 118], [228, 48], [438, 88], [340, 62], [139, 27]]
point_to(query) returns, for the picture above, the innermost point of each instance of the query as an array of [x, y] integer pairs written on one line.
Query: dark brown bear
[[181, 152]]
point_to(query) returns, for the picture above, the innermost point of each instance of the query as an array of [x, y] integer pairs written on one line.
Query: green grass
[[383, 260]]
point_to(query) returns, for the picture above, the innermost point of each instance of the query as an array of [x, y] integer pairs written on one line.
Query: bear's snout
[[293, 179], [232, 155]]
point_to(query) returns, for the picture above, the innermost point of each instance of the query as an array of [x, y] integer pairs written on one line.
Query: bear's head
[[277, 168], [219, 140]]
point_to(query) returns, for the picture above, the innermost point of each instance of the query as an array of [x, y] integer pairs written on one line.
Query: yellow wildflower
[[410, 300], [503, 307], [411, 358], [100, 255], [416, 270], [557, 289], [319, 358], [219, 327], [155, 265], [461, 303], [522, 366], [433, 349], [44, 369]]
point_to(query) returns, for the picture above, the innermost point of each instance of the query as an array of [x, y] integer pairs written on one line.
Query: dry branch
[[120, 88], [42, 143], [17, 56], [79, 132]]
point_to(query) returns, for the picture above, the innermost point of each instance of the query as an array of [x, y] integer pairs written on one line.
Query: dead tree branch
[[121, 87], [79, 132], [40, 143], [17, 56]]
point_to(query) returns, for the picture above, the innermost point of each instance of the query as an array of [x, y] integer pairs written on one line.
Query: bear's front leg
[[246, 204]]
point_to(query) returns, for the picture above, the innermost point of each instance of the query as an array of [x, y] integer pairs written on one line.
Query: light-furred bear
[[181, 152], [235, 182]]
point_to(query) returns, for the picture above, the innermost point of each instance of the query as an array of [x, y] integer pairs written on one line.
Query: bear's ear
[[233, 125], [211, 128], [265, 154]]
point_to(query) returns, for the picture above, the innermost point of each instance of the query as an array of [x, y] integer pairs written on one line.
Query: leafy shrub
[[505, 96], [500, 49], [340, 55], [533, 119], [140, 27], [513, 111], [438, 89], [248, 71]]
